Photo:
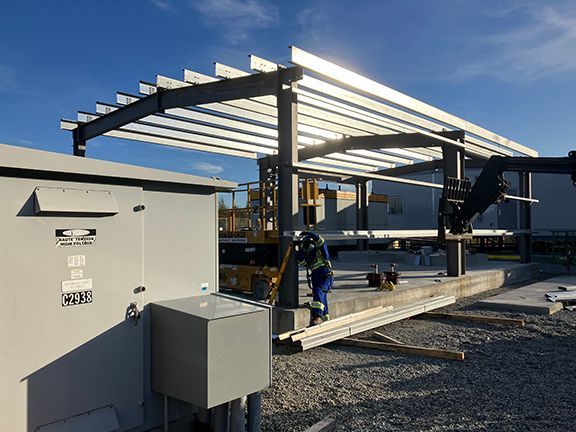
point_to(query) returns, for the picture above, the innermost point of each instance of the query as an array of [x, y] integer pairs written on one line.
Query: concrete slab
[[352, 294], [530, 299]]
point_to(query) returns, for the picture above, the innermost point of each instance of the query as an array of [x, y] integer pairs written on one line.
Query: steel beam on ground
[[366, 85], [253, 85], [525, 217], [287, 189], [452, 160]]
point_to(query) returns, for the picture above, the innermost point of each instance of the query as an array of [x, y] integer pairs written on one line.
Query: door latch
[[133, 313]]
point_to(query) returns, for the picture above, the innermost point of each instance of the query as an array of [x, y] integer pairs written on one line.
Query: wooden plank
[[388, 339], [372, 322], [346, 320], [331, 323], [326, 425], [342, 319], [406, 349], [474, 318]]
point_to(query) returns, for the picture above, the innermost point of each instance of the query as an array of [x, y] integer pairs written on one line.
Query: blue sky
[[509, 66]]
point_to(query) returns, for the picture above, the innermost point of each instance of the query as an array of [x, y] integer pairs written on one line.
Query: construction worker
[[312, 252]]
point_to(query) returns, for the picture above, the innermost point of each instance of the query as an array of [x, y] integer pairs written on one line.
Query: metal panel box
[[210, 350]]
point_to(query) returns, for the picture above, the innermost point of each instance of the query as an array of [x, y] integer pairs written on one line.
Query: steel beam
[[153, 129], [416, 168], [214, 125], [362, 202], [366, 109], [287, 188], [135, 133], [245, 87], [453, 159], [370, 142], [354, 80], [304, 167], [421, 167], [400, 234], [333, 117], [525, 217]]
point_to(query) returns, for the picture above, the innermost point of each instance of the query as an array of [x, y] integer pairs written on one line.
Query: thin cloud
[[207, 167], [18, 141], [237, 18], [8, 82], [544, 46], [165, 5]]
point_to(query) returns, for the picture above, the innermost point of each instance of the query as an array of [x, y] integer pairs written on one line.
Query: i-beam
[[238, 88]]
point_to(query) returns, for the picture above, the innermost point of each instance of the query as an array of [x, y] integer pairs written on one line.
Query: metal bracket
[[133, 313]]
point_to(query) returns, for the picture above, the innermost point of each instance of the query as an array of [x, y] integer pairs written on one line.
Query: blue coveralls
[[317, 260]]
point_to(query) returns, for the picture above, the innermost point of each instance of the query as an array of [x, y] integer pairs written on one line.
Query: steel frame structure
[[314, 118]]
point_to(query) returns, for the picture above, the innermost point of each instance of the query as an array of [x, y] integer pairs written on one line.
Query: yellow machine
[[248, 240]]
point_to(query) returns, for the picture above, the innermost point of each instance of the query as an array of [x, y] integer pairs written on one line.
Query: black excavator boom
[[461, 205]]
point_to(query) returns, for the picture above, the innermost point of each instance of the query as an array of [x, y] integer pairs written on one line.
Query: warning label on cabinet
[[76, 285], [75, 237]]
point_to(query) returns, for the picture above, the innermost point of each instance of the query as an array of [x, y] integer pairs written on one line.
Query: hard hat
[[308, 244]]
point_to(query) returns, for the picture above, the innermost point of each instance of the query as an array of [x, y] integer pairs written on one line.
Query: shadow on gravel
[[521, 384]]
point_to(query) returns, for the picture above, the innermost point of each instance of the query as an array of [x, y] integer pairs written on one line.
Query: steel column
[[463, 243], [287, 188], [267, 178], [362, 211], [453, 167], [525, 217]]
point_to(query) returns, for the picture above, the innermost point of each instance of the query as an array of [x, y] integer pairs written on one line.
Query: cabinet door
[[67, 278]]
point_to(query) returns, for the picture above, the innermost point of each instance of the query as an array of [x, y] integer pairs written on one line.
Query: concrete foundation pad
[[530, 299], [352, 294]]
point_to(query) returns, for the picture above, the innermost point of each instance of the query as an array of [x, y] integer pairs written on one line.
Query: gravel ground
[[512, 379]]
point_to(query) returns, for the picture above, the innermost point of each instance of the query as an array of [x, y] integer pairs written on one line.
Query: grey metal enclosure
[[86, 247]]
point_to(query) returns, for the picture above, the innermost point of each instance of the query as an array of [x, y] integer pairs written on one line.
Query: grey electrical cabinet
[[85, 247], [210, 350]]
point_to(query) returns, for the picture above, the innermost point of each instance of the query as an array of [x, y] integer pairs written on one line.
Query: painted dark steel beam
[[362, 202], [287, 189], [421, 167], [453, 167], [372, 142], [226, 90], [525, 217]]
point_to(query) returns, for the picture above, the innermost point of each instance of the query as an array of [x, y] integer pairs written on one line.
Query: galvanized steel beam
[[354, 80], [128, 132], [250, 86], [329, 116]]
